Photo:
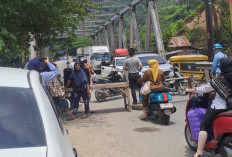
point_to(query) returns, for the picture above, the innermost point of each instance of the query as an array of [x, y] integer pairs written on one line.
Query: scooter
[[159, 105], [177, 85], [102, 94], [219, 138]]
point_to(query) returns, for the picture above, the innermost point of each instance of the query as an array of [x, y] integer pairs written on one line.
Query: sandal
[[72, 117], [84, 116]]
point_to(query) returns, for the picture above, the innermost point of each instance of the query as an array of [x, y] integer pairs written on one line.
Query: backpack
[[223, 88]]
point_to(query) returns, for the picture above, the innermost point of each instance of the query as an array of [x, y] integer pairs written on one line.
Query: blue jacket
[[49, 75], [215, 68], [80, 80]]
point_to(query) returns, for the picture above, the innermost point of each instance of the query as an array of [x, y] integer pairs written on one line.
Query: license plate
[[166, 105]]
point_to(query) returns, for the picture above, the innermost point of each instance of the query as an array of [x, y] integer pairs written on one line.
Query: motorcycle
[[159, 105], [178, 85], [219, 136], [102, 94]]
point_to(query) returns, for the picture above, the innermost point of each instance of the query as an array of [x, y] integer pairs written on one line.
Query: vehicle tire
[[165, 119], [75, 152], [225, 146], [99, 95], [188, 137]]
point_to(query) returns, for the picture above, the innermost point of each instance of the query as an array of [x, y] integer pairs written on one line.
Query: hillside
[[188, 19], [182, 17]]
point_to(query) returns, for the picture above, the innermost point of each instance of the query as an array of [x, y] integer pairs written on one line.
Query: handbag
[[146, 89]]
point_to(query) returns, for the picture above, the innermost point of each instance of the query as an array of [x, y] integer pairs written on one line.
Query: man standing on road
[[133, 65], [215, 70], [80, 89]]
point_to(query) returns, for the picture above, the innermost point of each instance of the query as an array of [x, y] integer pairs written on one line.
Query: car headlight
[[171, 74]]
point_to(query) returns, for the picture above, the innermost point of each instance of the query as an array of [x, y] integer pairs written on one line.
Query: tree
[[43, 19]]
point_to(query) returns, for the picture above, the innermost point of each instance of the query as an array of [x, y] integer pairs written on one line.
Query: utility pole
[[209, 28], [230, 3]]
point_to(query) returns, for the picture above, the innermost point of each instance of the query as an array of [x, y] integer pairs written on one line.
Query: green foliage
[[71, 44], [223, 34], [81, 42], [196, 37], [174, 17], [43, 19]]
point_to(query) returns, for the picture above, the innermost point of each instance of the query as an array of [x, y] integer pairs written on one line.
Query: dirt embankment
[[200, 19]]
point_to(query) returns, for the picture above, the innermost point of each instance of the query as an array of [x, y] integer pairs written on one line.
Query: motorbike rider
[[156, 77], [218, 105]]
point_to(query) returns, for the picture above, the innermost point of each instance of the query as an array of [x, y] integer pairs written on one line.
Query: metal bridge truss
[[105, 22]]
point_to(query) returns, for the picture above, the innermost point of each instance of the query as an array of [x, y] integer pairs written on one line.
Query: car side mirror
[[62, 104]]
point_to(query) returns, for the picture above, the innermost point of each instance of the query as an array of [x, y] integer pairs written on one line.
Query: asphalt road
[[113, 132]]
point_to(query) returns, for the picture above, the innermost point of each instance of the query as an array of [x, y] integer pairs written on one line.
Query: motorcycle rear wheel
[[226, 147], [188, 136], [99, 96], [165, 119]]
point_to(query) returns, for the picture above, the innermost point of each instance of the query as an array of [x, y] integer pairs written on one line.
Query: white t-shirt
[[72, 65], [218, 102]]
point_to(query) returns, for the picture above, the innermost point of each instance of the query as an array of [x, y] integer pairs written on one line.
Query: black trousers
[[210, 115], [134, 85]]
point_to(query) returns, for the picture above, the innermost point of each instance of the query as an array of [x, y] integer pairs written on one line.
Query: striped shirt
[[132, 64]]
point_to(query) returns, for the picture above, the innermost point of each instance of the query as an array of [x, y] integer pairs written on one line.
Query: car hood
[[25, 152]]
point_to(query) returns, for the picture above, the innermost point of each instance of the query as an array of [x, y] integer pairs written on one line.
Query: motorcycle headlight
[[171, 74]]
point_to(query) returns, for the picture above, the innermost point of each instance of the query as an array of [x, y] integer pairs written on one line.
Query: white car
[[117, 65], [29, 123]]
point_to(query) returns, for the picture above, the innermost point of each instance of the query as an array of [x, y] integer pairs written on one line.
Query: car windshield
[[101, 56], [144, 59], [20, 120], [120, 62]]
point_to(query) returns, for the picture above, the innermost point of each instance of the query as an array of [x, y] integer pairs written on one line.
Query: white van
[[95, 55]]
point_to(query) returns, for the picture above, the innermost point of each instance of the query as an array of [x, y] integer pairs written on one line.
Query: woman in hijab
[[218, 104], [156, 77]]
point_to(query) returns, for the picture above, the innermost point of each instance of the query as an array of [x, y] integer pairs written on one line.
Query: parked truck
[[95, 55]]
